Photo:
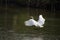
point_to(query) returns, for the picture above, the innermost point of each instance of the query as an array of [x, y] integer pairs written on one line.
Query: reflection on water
[[15, 22], [10, 35], [34, 38]]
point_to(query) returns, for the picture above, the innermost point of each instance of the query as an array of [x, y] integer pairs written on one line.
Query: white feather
[[38, 23]]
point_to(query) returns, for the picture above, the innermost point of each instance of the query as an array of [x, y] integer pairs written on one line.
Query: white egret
[[38, 23]]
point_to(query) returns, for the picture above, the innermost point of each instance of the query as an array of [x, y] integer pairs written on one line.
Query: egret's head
[[31, 17]]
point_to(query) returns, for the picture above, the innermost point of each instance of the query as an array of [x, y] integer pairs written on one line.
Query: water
[[11, 35], [12, 27]]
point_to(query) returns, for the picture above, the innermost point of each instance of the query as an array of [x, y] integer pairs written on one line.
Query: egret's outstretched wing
[[38, 23], [30, 22], [41, 20]]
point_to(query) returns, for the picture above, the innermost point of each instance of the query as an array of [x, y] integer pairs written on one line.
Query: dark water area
[[12, 24], [15, 36]]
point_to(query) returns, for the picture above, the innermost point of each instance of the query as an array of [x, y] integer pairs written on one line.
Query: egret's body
[[38, 23], [30, 22]]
